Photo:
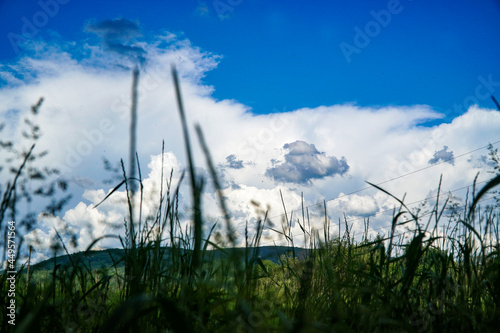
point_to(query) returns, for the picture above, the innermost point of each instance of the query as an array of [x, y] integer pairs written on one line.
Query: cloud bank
[[311, 157]]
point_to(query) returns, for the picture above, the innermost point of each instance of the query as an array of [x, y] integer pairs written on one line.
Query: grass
[[431, 282]]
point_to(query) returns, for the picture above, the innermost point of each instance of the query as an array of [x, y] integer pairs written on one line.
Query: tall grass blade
[[196, 186], [218, 188], [496, 102], [133, 128], [491, 184], [111, 192]]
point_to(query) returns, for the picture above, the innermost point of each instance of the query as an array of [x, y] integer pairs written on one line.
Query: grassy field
[[431, 282]]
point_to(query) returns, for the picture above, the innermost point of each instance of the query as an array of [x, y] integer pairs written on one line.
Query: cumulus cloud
[[84, 223], [44, 239], [443, 155], [303, 163]]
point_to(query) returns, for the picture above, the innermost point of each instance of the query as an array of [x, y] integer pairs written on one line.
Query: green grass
[[200, 283]]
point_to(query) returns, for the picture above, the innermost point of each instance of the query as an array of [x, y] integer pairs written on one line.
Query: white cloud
[[85, 117], [443, 155], [303, 162], [357, 205]]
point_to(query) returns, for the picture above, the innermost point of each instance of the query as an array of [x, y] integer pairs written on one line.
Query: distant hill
[[109, 257], [96, 259]]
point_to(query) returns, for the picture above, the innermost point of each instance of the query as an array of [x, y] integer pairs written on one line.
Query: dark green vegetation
[[431, 282]]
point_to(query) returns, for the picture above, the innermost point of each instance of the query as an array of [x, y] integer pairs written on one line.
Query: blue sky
[[287, 54], [307, 99]]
